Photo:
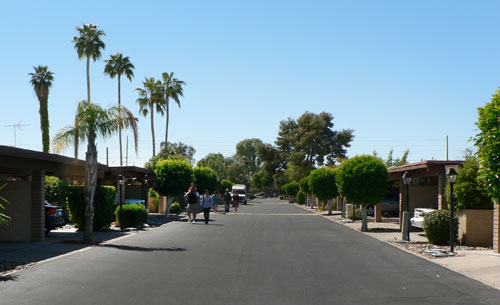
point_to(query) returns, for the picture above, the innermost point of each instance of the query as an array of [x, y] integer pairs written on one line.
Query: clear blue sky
[[402, 74]]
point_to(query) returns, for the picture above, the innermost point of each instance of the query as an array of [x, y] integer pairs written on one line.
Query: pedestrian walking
[[206, 203], [215, 200], [236, 202], [192, 198], [227, 200]]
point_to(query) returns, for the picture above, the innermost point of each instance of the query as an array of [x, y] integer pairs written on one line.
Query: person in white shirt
[[206, 203]]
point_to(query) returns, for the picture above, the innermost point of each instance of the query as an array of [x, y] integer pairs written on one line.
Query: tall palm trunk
[[166, 130], [88, 79], [89, 189], [44, 123], [153, 130], [120, 128]]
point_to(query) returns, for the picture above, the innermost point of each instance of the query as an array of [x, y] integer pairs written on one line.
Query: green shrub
[[301, 197], [226, 185], [175, 208], [291, 190], [437, 227], [152, 193], [470, 191], [55, 190], [357, 213], [156, 204], [133, 215], [103, 206]]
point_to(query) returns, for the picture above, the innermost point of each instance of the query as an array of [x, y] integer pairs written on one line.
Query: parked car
[[260, 195], [418, 217], [54, 217], [390, 207]]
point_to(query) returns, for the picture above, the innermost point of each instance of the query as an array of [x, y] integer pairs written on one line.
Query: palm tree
[[151, 99], [89, 45], [41, 81], [92, 121], [172, 89], [118, 65]]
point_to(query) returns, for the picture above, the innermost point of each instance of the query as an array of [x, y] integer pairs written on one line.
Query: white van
[[241, 190]]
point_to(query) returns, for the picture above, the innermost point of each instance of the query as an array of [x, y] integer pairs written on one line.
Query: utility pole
[[126, 157], [107, 157], [14, 126], [446, 148]]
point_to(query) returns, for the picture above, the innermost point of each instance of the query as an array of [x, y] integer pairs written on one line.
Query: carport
[[427, 188], [22, 175]]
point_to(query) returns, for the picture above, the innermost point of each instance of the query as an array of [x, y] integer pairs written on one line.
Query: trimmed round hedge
[[133, 215], [437, 227], [301, 197], [175, 208]]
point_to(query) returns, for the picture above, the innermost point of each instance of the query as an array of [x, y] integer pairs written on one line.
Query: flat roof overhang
[[428, 168]]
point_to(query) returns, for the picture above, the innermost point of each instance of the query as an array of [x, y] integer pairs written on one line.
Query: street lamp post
[[120, 184], [451, 176], [146, 184], [407, 181]]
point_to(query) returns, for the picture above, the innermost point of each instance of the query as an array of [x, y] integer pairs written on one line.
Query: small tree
[[470, 191], [291, 190], [363, 180], [226, 185], [304, 186], [172, 179], [322, 183], [205, 179]]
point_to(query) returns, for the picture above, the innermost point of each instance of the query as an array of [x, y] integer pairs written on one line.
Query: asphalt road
[[269, 253]]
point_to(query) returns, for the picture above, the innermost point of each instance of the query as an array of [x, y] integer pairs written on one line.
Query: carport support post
[[37, 205], [408, 211]]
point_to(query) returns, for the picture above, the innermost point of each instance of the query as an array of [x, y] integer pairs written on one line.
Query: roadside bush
[[176, 208], [156, 205], [437, 227], [103, 206], [55, 190], [133, 215], [205, 178], [301, 197], [357, 213], [173, 177], [152, 193]]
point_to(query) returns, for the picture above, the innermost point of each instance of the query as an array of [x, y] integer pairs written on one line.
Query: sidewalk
[[20, 255], [480, 264]]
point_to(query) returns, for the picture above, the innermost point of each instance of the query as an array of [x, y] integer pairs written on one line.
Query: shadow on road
[[8, 278], [142, 249]]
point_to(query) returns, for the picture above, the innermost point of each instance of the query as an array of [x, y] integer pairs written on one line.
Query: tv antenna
[[14, 126]]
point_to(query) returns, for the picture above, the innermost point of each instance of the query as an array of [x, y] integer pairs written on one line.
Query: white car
[[418, 217]]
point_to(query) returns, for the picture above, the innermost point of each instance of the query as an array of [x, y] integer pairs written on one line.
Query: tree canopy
[[487, 141], [205, 179], [310, 140], [173, 177], [176, 151], [246, 152], [322, 183]]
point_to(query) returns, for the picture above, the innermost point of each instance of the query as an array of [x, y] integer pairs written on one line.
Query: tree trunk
[[153, 130], [364, 222], [120, 127], [330, 208], [166, 129], [44, 123], [170, 199], [88, 79], [89, 189]]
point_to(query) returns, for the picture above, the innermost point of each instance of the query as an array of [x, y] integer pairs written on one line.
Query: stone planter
[[476, 227]]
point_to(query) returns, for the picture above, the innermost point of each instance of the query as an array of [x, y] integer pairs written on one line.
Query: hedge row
[[103, 205]]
